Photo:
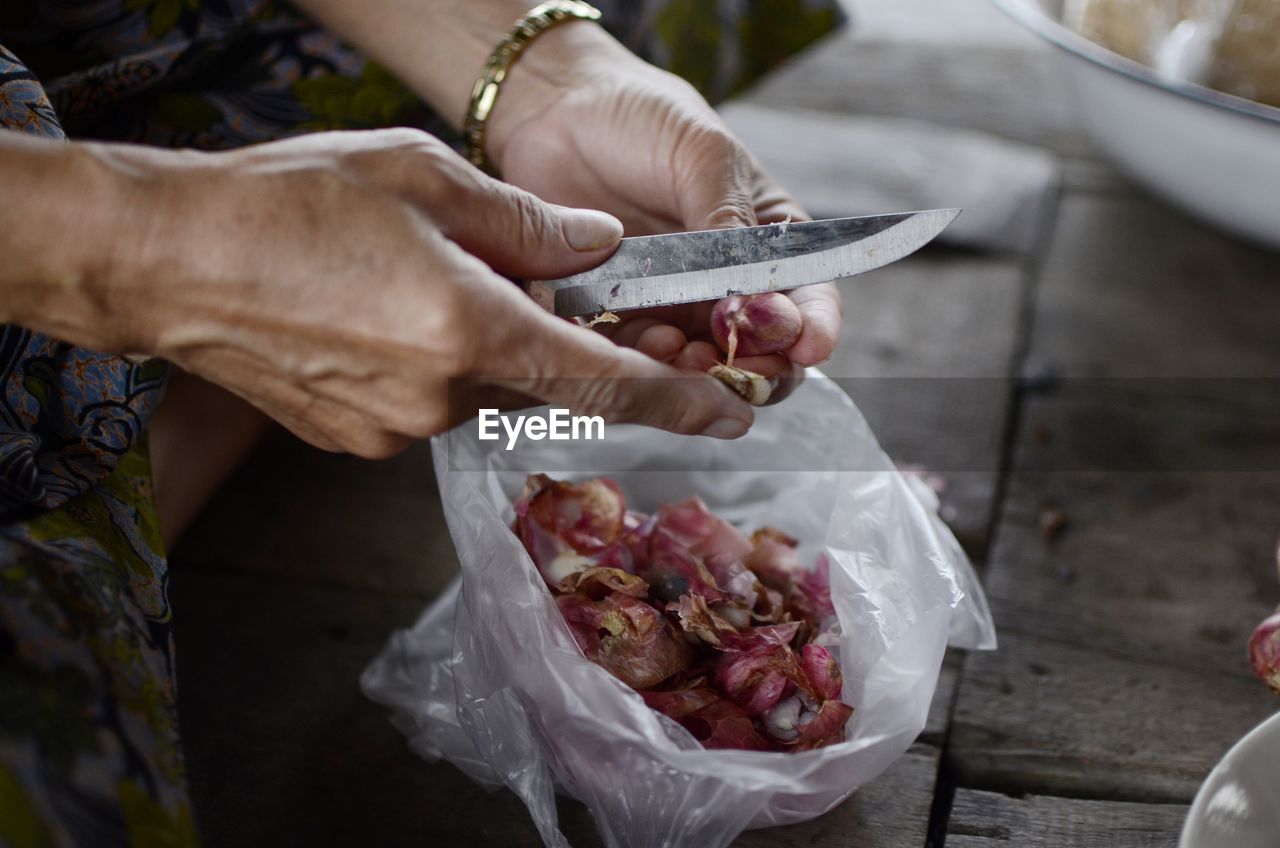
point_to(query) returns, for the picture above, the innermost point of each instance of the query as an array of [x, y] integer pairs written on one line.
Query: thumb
[[561, 363], [519, 235]]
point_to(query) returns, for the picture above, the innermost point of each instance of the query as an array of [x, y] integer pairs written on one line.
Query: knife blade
[[666, 270]]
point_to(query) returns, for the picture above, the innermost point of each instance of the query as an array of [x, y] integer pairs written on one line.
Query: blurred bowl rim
[[1030, 14], [1196, 813]]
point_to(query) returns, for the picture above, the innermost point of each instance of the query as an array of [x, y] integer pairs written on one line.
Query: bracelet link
[[484, 94]]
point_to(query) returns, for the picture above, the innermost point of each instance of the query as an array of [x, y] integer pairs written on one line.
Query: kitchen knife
[[686, 267]]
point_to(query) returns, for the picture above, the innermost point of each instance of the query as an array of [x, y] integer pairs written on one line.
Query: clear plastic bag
[[491, 679]]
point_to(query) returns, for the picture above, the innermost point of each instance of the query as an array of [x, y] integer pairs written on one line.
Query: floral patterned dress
[[89, 746]]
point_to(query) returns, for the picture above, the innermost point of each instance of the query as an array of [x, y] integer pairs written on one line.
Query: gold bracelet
[[537, 20]]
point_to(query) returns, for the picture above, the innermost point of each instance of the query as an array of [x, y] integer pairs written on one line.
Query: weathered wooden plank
[[1013, 90], [986, 820], [1169, 569], [297, 511], [1121, 671], [283, 748], [889, 812], [926, 353], [939, 720], [1161, 446], [1132, 288], [1042, 716]]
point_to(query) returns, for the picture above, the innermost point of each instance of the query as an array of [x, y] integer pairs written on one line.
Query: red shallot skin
[[596, 582], [753, 638], [811, 596], [758, 678], [827, 728], [774, 559], [713, 721], [754, 325], [588, 515], [668, 600], [554, 558], [692, 526], [723, 725], [823, 672], [672, 572], [638, 646], [696, 618], [1264, 651], [567, 527], [679, 703]]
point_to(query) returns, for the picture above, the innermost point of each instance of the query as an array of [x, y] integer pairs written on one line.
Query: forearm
[[438, 47], [55, 225]]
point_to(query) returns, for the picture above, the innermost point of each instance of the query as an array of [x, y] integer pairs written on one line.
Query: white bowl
[[1239, 804], [1215, 155]]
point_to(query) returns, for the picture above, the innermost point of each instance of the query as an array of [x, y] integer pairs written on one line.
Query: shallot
[[673, 605], [753, 325], [1264, 651]]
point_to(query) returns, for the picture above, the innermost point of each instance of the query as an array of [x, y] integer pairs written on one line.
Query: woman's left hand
[[589, 124]]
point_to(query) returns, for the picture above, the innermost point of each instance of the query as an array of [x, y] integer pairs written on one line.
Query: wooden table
[[1054, 378]]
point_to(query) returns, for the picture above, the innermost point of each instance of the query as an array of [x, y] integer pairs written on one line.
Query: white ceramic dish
[[1212, 154], [1239, 804]]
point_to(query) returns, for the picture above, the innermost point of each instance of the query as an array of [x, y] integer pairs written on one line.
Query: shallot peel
[[673, 605], [754, 388], [1264, 651], [754, 325]]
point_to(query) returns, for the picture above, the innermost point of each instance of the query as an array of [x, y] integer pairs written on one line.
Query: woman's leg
[[198, 436]]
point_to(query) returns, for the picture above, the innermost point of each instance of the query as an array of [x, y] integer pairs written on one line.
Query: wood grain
[[1148, 419], [987, 820], [838, 165], [926, 353], [1011, 90], [1131, 288], [1041, 716]]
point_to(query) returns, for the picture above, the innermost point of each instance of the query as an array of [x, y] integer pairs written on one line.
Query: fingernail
[[586, 229], [726, 428]]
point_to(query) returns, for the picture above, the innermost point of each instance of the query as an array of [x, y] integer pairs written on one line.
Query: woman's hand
[[348, 285], [584, 122]]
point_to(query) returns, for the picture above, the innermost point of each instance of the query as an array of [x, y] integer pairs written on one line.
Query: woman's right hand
[[345, 282]]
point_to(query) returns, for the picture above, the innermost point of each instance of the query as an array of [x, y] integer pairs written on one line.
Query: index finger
[[528, 350]]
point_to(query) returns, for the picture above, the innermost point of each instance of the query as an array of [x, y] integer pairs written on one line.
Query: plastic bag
[[490, 678]]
